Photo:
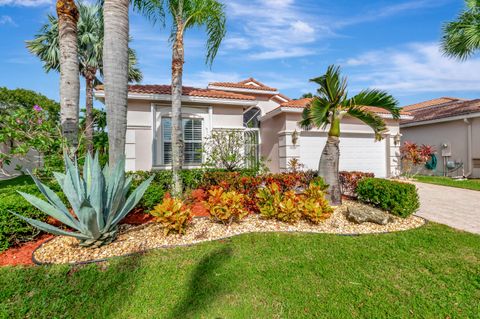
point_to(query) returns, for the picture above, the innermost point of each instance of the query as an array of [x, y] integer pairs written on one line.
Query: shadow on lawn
[[204, 285]]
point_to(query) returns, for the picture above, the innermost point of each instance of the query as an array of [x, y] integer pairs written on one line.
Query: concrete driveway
[[455, 207]]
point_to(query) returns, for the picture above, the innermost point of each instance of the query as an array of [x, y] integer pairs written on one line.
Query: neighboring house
[[452, 126], [256, 108]]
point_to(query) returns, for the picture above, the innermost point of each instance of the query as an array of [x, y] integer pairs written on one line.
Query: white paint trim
[[193, 99], [300, 110], [230, 89], [153, 111], [446, 119], [139, 127]]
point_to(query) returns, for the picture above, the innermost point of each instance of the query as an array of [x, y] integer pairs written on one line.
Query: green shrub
[[398, 198], [14, 230]]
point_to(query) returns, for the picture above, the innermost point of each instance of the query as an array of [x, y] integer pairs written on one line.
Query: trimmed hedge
[[14, 230], [398, 198]]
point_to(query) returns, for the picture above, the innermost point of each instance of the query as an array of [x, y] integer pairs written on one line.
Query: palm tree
[[329, 107], [461, 38], [187, 14], [69, 80], [90, 54], [115, 66]]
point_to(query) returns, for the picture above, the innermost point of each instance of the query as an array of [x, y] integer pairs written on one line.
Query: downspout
[[469, 146]]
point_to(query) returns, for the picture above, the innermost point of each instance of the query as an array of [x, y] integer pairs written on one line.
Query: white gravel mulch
[[133, 239]]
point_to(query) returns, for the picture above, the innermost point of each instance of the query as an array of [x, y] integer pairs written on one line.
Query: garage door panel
[[356, 153]]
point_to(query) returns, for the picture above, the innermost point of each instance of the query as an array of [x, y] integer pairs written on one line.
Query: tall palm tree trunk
[[69, 70], [89, 79], [329, 163], [115, 69], [328, 169], [177, 134]]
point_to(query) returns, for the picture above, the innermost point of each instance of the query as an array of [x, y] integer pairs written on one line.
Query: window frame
[[193, 141]]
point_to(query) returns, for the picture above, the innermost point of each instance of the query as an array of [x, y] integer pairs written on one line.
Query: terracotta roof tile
[[243, 85], [187, 91], [303, 103], [429, 103], [445, 110]]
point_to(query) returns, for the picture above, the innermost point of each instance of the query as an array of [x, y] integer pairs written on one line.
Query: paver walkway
[[456, 207]]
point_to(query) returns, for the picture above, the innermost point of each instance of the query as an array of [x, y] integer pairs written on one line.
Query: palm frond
[[376, 98], [211, 15], [461, 38], [332, 85], [90, 26], [376, 123]]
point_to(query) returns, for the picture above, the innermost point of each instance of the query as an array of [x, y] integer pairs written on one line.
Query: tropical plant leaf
[[50, 210], [131, 202], [50, 229]]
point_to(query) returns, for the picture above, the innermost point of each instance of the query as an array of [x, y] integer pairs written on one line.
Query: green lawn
[[473, 184], [431, 272]]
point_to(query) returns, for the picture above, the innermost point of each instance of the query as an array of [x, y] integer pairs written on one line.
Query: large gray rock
[[363, 214]]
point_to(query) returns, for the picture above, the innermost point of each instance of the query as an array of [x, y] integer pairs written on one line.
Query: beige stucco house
[[254, 107], [452, 126]]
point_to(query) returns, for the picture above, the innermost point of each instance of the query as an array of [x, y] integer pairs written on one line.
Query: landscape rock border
[[253, 225]]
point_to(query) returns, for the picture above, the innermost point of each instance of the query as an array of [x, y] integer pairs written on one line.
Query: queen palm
[[90, 54], [327, 110], [115, 66], [188, 14], [69, 80], [461, 38]]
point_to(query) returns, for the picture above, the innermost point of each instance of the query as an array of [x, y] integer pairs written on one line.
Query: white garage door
[[357, 153]]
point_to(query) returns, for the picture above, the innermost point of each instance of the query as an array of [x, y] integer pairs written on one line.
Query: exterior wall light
[[295, 138], [397, 139]]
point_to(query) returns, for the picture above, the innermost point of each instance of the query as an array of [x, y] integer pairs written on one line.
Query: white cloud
[[25, 3], [276, 29], [282, 54], [7, 20], [417, 67]]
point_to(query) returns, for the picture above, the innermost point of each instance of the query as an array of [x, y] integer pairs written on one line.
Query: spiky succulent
[[98, 200]]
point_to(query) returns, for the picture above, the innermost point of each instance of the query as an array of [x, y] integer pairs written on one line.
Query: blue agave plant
[[98, 199]]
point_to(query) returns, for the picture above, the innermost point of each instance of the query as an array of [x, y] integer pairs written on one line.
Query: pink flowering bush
[[25, 129]]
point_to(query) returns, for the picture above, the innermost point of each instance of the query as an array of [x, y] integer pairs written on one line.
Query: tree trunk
[[69, 70], [115, 70], [328, 169], [177, 134], [89, 78]]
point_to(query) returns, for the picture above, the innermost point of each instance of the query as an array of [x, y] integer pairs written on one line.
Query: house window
[[192, 138]]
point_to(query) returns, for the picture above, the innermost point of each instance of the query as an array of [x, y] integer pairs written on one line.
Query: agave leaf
[[87, 173], [73, 177], [51, 229], [97, 192], [88, 218], [72, 193], [131, 202], [128, 184], [60, 178], [51, 196], [48, 209], [115, 198]]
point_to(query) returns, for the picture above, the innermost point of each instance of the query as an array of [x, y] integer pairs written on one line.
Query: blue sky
[[392, 45]]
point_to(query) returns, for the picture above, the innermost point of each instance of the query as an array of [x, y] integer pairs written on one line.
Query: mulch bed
[[22, 255]]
